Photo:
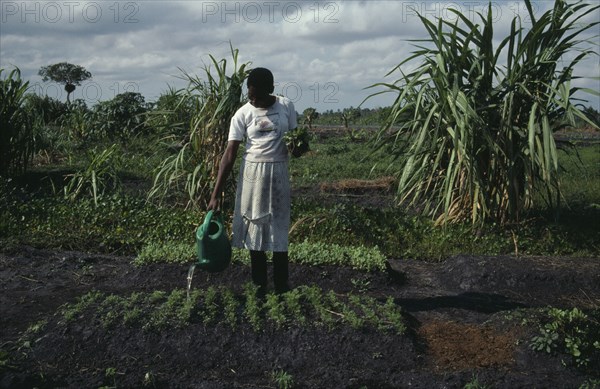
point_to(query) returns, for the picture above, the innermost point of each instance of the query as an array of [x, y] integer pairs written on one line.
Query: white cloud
[[323, 53]]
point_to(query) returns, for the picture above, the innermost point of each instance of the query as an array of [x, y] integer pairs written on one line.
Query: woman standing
[[261, 217]]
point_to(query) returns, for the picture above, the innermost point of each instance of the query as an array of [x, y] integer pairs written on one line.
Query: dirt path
[[460, 316]]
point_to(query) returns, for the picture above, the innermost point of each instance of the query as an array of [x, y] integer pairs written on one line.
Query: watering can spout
[[212, 245]]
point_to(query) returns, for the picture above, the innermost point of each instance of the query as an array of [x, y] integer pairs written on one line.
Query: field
[[95, 295]]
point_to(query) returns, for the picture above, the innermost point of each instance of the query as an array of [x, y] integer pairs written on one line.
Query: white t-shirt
[[263, 129]]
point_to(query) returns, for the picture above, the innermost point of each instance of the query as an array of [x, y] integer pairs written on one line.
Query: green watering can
[[212, 246]]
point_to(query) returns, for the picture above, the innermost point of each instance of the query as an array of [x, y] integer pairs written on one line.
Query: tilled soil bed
[[463, 317]]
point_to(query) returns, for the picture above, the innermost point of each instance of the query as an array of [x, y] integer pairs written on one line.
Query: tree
[[65, 73], [122, 116]]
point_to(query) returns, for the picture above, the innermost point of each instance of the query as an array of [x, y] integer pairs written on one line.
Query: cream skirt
[[261, 218]]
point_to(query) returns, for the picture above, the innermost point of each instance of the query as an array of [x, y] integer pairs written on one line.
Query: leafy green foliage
[[357, 257], [230, 307], [117, 223], [335, 159], [590, 384], [98, 175], [275, 310], [350, 115], [72, 311], [17, 144], [475, 139], [298, 141], [50, 110], [252, 309], [123, 116], [165, 252], [309, 115], [209, 306], [570, 332], [475, 384], [79, 122], [172, 113]]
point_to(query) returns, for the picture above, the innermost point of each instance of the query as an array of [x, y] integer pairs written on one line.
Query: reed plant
[[99, 174], [17, 136], [215, 98], [472, 126]]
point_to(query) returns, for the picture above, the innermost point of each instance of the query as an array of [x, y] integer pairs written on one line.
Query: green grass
[[118, 224], [123, 222], [581, 178], [334, 159], [308, 253]]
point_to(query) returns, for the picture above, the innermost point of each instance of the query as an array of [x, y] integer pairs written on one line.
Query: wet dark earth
[[464, 319]]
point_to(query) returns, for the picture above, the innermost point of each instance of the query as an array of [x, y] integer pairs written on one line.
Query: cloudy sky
[[323, 53]]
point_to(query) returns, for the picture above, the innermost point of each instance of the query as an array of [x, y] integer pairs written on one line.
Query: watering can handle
[[206, 223]]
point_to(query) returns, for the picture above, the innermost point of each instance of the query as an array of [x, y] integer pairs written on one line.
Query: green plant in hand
[[298, 141]]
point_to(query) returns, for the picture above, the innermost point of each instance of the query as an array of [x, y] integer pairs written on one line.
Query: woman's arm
[[227, 162]]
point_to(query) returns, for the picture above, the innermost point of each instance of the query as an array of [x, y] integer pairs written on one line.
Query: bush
[[49, 110], [570, 332], [123, 116]]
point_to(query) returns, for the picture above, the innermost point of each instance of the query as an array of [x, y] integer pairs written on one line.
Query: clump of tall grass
[[474, 138], [99, 173], [195, 166], [16, 124]]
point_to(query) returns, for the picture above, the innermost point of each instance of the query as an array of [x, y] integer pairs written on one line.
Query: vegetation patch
[[572, 334], [308, 253], [305, 305]]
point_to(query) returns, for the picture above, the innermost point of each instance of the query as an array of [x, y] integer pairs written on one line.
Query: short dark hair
[[261, 78]]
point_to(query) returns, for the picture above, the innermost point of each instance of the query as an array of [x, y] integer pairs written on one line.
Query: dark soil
[[462, 316]]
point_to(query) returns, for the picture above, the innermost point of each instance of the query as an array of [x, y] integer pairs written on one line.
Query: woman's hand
[[213, 205]]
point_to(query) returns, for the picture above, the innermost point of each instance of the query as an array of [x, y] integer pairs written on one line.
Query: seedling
[[230, 307], [210, 305], [253, 306], [282, 379], [275, 310]]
